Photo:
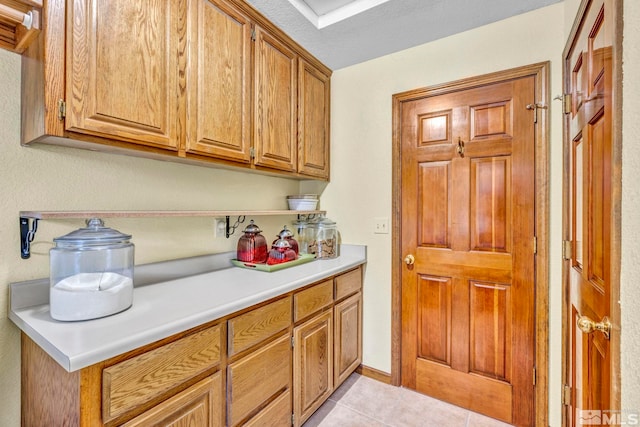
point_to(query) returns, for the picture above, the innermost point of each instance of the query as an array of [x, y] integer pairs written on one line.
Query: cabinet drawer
[[277, 413], [138, 380], [258, 377], [313, 299], [348, 283], [258, 325], [201, 404]]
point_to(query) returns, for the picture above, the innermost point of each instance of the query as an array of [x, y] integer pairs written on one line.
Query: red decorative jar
[[252, 246]]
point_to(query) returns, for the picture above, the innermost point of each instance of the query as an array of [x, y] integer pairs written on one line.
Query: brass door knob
[[586, 325], [409, 259]]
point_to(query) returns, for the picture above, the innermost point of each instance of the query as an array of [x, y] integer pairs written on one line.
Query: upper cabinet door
[[123, 68], [313, 121], [275, 129], [219, 92]]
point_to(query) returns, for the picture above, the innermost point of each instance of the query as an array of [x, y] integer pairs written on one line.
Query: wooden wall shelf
[[29, 219], [158, 214]]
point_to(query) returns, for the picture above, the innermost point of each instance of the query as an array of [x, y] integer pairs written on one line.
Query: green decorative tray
[[302, 258]]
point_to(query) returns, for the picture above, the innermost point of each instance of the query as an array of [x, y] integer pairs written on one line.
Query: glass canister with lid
[[252, 246], [91, 273], [287, 235], [281, 252], [299, 225], [321, 238]]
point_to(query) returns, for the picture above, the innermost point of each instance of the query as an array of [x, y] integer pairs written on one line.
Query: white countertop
[[164, 307]]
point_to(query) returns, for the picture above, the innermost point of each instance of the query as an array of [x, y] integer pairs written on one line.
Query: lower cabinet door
[[276, 414], [348, 337], [199, 405], [312, 366], [257, 379]]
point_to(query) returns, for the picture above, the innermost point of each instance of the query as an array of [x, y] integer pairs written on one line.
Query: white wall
[[52, 178], [361, 138]]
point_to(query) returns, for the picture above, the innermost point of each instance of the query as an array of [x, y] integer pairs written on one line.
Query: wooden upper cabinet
[[313, 121], [219, 92], [197, 81], [124, 69], [275, 136]]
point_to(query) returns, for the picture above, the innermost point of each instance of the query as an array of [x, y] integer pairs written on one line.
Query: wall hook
[[230, 229], [27, 234]]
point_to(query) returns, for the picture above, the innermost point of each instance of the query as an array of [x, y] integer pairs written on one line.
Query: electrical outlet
[[381, 225], [219, 227]]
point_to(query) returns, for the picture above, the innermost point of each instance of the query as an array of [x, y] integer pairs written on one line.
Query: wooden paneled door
[[591, 219], [468, 241]]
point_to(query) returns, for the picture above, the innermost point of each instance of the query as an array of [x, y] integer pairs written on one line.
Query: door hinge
[[534, 376], [293, 341], [566, 250], [62, 109], [252, 153], [567, 103], [535, 245], [293, 419], [253, 33], [566, 395]]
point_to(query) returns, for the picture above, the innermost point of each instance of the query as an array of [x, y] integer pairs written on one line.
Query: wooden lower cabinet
[[348, 337], [272, 365], [277, 413], [199, 405], [313, 365], [258, 378], [145, 378]]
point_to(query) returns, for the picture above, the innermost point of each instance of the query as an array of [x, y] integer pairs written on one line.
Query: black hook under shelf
[[28, 228], [230, 229]]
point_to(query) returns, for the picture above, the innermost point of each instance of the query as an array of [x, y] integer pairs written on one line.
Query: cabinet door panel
[[313, 122], [122, 70], [348, 337], [219, 92], [275, 104], [257, 378], [313, 365]]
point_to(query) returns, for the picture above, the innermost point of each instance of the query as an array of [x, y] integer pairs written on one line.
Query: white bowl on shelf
[[303, 202]]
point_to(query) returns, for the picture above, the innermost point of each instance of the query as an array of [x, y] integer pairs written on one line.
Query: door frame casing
[[540, 72], [616, 205]]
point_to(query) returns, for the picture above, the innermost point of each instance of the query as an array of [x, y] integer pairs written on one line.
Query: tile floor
[[364, 402]]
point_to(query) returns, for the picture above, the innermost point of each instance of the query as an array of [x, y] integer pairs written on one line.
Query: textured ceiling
[[389, 27]]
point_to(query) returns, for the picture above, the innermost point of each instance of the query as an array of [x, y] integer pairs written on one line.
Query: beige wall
[[361, 133], [630, 273], [51, 178], [360, 190]]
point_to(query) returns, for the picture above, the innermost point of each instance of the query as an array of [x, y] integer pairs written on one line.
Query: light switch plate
[[381, 225]]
